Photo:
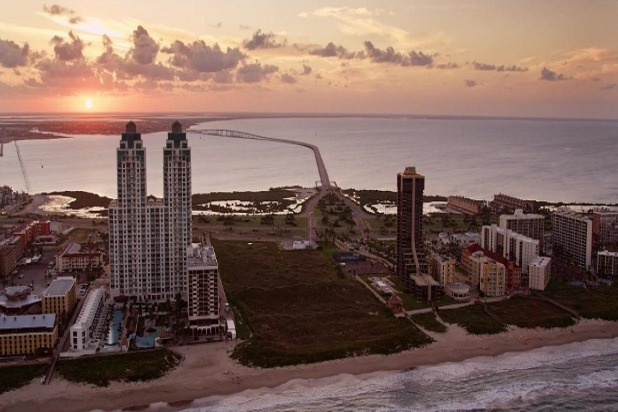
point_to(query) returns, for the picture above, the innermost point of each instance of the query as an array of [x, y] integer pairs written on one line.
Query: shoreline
[[207, 373]]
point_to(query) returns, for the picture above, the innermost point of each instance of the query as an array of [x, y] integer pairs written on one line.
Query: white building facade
[[539, 273], [81, 330], [572, 238], [517, 248]]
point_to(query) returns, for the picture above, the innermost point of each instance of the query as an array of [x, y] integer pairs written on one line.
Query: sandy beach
[[206, 370]]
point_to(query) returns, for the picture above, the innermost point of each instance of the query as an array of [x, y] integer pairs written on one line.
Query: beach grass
[[531, 313], [429, 322], [129, 367], [301, 308], [14, 377], [592, 302], [473, 319]]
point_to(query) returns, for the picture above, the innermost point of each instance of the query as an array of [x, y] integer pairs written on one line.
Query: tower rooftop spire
[[131, 127]]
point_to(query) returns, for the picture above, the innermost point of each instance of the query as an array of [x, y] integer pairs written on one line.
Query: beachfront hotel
[[527, 224], [148, 238], [572, 238], [412, 266], [520, 249], [60, 297], [26, 334]]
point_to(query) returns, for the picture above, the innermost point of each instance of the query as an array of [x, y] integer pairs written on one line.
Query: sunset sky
[[538, 58]]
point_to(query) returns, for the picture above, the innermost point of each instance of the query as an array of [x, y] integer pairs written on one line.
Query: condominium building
[[11, 250], [506, 202], [465, 205], [607, 263], [492, 277], [60, 297], [572, 238], [520, 249], [527, 224], [472, 258], [604, 229], [442, 269], [73, 257], [539, 273], [81, 330], [412, 266], [26, 334], [203, 285], [148, 237]]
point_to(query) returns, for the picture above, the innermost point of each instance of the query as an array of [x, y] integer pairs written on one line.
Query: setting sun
[[88, 104]]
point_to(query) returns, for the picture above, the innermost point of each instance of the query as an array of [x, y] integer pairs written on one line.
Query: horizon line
[[245, 114]]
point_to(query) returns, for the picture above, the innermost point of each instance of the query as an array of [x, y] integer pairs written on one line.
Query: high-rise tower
[[177, 198], [148, 238], [411, 262]]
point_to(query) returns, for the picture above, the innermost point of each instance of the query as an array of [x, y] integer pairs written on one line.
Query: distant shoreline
[[22, 125]]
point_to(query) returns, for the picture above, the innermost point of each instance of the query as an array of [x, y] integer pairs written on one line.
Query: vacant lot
[[301, 308], [13, 377], [531, 313], [131, 367], [473, 319], [599, 302]]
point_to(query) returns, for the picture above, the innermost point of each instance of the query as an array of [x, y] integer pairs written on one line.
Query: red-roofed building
[[469, 263]]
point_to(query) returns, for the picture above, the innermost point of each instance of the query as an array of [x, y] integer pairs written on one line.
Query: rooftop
[[60, 286], [608, 253], [199, 255], [27, 321], [424, 280]]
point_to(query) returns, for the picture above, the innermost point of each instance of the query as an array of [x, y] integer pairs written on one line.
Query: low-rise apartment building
[[539, 273], [465, 205], [607, 263], [73, 258], [81, 330], [27, 334], [60, 297]]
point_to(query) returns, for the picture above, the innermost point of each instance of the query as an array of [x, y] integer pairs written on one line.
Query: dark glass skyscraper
[[411, 262]]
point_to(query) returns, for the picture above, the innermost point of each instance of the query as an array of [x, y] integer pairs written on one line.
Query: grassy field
[[429, 322], [301, 308], [531, 313], [131, 367], [473, 319], [13, 377], [599, 302]]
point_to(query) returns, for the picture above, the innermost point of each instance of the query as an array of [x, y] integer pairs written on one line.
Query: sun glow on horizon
[[88, 103]]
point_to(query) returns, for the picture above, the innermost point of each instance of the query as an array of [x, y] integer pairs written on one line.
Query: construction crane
[[23, 167]]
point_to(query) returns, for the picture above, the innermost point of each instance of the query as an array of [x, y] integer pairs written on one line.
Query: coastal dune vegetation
[[300, 308]]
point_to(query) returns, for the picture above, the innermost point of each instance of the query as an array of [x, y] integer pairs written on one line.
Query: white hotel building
[[149, 238], [81, 331], [517, 248], [572, 238]]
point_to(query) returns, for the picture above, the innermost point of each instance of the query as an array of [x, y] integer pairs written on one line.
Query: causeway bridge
[[325, 182]]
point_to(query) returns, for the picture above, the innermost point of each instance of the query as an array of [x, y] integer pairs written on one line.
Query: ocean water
[[555, 160], [574, 377]]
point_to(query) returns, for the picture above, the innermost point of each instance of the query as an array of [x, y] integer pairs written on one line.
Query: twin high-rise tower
[[148, 238]]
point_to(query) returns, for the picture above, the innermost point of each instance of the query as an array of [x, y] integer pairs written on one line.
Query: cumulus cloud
[[446, 66], [288, 78], [145, 48], [306, 70], [255, 72], [261, 40], [549, 75], [498, 68], [57, 10], [331, 50], [11, 55], [389, 55], [470, 83], [420, 59], [200, 57], [67, 51]]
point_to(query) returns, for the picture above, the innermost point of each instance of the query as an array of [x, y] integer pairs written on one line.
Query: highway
[[325, 181]]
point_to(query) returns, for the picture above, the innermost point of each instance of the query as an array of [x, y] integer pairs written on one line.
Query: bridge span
[[326, 185]]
